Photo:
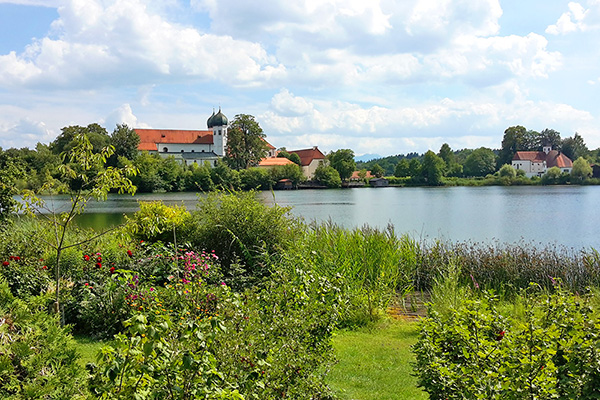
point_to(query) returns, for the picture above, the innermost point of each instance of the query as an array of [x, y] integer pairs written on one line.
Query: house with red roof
[[536, 163], [310, 159]]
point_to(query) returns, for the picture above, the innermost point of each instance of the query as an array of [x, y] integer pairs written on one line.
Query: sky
[[380, 77]]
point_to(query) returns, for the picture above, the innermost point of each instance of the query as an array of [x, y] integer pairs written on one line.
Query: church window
[[193, 151], [219, 132], [165, 150]]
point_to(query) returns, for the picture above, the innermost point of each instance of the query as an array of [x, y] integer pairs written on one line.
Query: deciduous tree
[[245, 143], [480, 162], [343, 162]]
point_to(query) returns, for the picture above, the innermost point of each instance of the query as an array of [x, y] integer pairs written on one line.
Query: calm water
[[559, 215]]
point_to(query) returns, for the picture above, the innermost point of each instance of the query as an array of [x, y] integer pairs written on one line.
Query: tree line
[[431, 168]]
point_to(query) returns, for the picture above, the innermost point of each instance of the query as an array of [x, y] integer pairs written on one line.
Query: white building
[[536, 163]]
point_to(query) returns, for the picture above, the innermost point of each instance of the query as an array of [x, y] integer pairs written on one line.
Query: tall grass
[[370, 264], [508, 268]]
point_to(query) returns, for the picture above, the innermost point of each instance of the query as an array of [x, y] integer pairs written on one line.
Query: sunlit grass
[[375, 363], [88, 348]]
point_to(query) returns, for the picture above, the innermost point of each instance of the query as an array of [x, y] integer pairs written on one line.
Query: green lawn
[[375, 363], [88, 349]]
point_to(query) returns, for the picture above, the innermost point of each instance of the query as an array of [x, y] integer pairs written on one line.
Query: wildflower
[[500, 335], [98, 265], [86, 257], [86, 284], [112, 270], [152, 289], [99, 259], [475, 284], [44, 267], [5, 263], [129, 253]]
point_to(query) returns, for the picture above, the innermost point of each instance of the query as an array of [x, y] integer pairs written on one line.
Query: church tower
[[218, 123]]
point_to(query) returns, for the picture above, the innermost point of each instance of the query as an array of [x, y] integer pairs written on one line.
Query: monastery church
[[200, 146]]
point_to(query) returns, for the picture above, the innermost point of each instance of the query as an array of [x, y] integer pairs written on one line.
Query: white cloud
[[25, 133], [122, 115], [392, 130], [578, 18], [115, 42]]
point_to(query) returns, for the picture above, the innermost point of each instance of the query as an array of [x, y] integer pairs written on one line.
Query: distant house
[[536, 163], [310, 159], [379, 182], [356, 177], [284, 184]]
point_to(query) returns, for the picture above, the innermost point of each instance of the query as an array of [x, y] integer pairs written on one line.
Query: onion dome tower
[[218, 123]]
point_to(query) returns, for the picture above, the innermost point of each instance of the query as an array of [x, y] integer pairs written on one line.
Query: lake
[[561, 215]]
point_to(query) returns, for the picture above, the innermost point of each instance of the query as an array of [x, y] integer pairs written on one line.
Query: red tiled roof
[[533, 156], [356, 177], [274, 161], [553, 158], [556, 159], [149, 137], [308, 155]]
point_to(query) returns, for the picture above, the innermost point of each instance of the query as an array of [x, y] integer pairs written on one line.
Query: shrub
[[241, 229], [37, 356], [551, 351], [156, 221]]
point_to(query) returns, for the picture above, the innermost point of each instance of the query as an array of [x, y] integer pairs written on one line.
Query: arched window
[[165, 150]]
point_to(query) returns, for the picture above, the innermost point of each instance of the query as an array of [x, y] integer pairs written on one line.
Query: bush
[[242, 230], [37, 357], [191, 339], [550, 351], [156, 221]]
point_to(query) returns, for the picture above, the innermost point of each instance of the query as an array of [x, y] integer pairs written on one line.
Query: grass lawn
[[375, 363], [88, 349]]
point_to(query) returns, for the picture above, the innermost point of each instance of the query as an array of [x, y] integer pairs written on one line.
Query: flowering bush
[[551, 351]]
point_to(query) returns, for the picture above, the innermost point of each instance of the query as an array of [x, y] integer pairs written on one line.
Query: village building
[[536, 163], [310, 159], [188, 146], [210, 145]]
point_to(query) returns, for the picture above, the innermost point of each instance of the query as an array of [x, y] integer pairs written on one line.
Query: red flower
[[112, 270], [98, 265], [86, 257], [129, 253], [44, 267], [17, 258], [5, 263], [99, 259], [86, 284], [500, 335]]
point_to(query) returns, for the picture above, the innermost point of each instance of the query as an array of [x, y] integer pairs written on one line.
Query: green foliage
[[343, 162], [507, 171], [37, 357], [193, 339], [327, 176], [198, 178], [10, 172], [245, 143], [239, 228], [377, 171], [369, 264], [156, 221], [125, 142], [480, 162], [513, 141], [581, 170], [574, 147], [432, 168], [256, 179], [552, 176], [545, 352], [292, 172], [225, 178], [402, 169]]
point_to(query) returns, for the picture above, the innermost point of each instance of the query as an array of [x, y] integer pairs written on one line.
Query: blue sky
[[380, 77]]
